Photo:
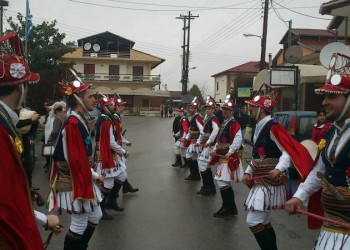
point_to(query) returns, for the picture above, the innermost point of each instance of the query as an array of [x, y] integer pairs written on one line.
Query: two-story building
[[311, 74], [112, 66], [237, 80]]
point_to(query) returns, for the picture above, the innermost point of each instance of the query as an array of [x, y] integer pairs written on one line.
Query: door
[[137, 72], [114, 72], [89, 71]]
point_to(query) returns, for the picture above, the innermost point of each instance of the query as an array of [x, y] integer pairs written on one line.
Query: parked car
[[298, 123]]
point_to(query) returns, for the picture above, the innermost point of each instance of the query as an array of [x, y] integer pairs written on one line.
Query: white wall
[[222, 91], [103, 68]]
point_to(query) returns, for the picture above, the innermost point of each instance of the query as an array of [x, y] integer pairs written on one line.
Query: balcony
[[122, 78]]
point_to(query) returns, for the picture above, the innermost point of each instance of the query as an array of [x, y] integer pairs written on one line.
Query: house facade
[[311, 74], [340, 10], [237, 80], [111, 65]]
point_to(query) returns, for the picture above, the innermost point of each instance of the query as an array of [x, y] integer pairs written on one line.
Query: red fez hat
[[14, 69]]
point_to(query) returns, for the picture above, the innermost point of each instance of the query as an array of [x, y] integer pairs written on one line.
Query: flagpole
[[26, 30]]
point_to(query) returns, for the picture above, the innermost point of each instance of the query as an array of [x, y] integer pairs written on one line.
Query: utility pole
[[264, 35], [2, 5], [186, 50], [290, 33]]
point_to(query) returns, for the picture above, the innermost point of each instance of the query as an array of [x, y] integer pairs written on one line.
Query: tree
[[45, 48], [195, 91]]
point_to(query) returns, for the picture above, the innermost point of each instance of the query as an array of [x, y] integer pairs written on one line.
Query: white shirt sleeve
[[40, 219], [312, 183], [114, 145], [237, 142], [283, 162], [124, 140], [249, 170], [200, 126], [214, 133], [94, 174]]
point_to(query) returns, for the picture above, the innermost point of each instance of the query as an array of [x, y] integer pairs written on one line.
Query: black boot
[[211, 183], [265, 236], [227, 210], [105, 216], [72, 241], [207, 188], [194, 171], [112, 198], [89, 231], [231, 204], [178, 162], [127, 188]]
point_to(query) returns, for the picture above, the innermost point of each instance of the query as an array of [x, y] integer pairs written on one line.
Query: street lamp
[[263, 49], [248, 35]]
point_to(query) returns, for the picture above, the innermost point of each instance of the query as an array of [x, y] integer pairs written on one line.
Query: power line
[[175, 6], [321, 18], [278, 14], [240, 25], [221, 31], [167, 10]]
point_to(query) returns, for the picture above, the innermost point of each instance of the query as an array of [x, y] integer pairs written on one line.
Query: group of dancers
[[326, 180]]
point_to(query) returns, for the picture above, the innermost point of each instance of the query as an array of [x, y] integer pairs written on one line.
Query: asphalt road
[[167, 213]]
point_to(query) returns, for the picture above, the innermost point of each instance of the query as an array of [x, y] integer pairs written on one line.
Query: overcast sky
[[217, 41]]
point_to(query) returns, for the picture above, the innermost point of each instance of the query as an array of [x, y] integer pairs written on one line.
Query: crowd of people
[[166, 111], [217, 139], [85, 180]]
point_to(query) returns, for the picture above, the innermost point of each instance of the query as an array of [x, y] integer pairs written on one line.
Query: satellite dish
[[328, 51], [87, 46], [96, 47], [293, 54], [262, 77]]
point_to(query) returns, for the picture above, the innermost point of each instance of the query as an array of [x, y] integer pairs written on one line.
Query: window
[[217, 85]]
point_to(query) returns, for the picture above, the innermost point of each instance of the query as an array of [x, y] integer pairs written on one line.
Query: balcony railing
[[151, 79]]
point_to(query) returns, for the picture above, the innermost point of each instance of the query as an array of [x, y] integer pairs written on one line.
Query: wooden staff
[[334, 222]]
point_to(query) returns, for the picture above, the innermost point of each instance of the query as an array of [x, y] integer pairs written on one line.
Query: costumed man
[[332, 165], [207, 140], [176, 123], [273, 152], [73, 180], [196, 129], [120, 139], [180, 144], [19, 221], [106, 158], [227, 159]]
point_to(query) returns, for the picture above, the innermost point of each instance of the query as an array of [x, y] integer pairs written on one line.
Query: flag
[[29, 22]]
